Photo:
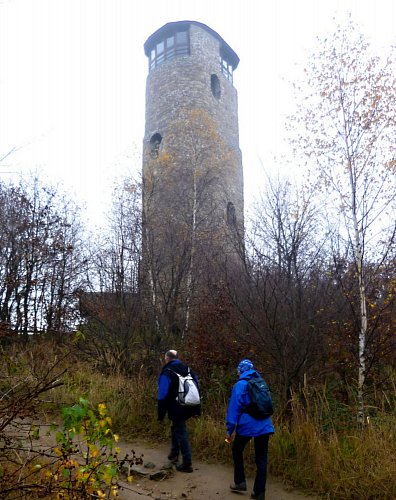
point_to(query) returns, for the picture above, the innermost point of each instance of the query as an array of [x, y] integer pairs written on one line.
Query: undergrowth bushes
[[317, 446]]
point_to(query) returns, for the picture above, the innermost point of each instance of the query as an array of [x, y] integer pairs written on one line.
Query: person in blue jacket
[[168, 387], [246, 427]]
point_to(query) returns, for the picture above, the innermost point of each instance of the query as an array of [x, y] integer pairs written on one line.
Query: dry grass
[[331, 455], [318, 449]]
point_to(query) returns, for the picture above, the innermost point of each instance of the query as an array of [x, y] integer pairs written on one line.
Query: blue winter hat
[[244, 366]]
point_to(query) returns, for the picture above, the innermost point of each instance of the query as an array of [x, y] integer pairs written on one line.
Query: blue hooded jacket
[[240, 421], [168, 386]]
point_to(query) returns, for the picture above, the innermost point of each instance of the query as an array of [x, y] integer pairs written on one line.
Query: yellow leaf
[[102, 409]]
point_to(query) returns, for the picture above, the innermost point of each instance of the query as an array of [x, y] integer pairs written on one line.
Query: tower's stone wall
[[192, 177], [184, 83]]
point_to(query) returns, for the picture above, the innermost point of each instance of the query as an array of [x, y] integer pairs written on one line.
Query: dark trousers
[[261, 457], [180, 441]]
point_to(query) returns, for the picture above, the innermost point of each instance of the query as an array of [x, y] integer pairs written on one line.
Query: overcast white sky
[[72, 79]]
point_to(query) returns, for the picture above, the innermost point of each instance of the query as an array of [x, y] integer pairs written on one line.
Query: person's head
[[244, 366], [171, 355]]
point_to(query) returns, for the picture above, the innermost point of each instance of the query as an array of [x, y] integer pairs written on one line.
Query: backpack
[[188, 392], [260, 406]]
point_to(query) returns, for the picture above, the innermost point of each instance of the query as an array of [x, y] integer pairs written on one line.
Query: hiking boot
[[184, 468], [173, 457], [257, 497], [238, 487]]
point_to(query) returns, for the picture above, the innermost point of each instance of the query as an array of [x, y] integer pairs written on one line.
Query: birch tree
[[345, 125]]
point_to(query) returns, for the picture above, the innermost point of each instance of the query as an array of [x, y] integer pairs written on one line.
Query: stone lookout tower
[[192, 167]]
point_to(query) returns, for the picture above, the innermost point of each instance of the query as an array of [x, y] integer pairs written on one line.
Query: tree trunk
[[363, 304]]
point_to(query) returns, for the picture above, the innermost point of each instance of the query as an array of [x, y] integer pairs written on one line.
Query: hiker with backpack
[[178, 396], [249, 416]]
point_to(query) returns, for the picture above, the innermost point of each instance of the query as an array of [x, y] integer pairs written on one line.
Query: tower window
[[226, 68], [231, 216], [171, 46], [155, 142], [215, 86]]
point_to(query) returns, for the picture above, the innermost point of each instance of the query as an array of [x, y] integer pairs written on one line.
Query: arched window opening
[[155, 142], [231, 215], [215, 86]]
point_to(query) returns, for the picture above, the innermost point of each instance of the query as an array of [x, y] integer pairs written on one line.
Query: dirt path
[[208, 481]]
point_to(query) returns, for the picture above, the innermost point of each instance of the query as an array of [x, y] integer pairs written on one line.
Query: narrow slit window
[[155, 142], [215, 86], [231, 215]]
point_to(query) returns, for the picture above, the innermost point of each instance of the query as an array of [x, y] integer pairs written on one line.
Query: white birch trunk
[[363, 304], [191, 265], [153, 292]]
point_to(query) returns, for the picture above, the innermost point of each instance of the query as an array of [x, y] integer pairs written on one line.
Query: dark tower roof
[[172, 27]]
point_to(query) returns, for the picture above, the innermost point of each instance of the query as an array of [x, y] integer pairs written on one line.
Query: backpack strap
[[174, 382]]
